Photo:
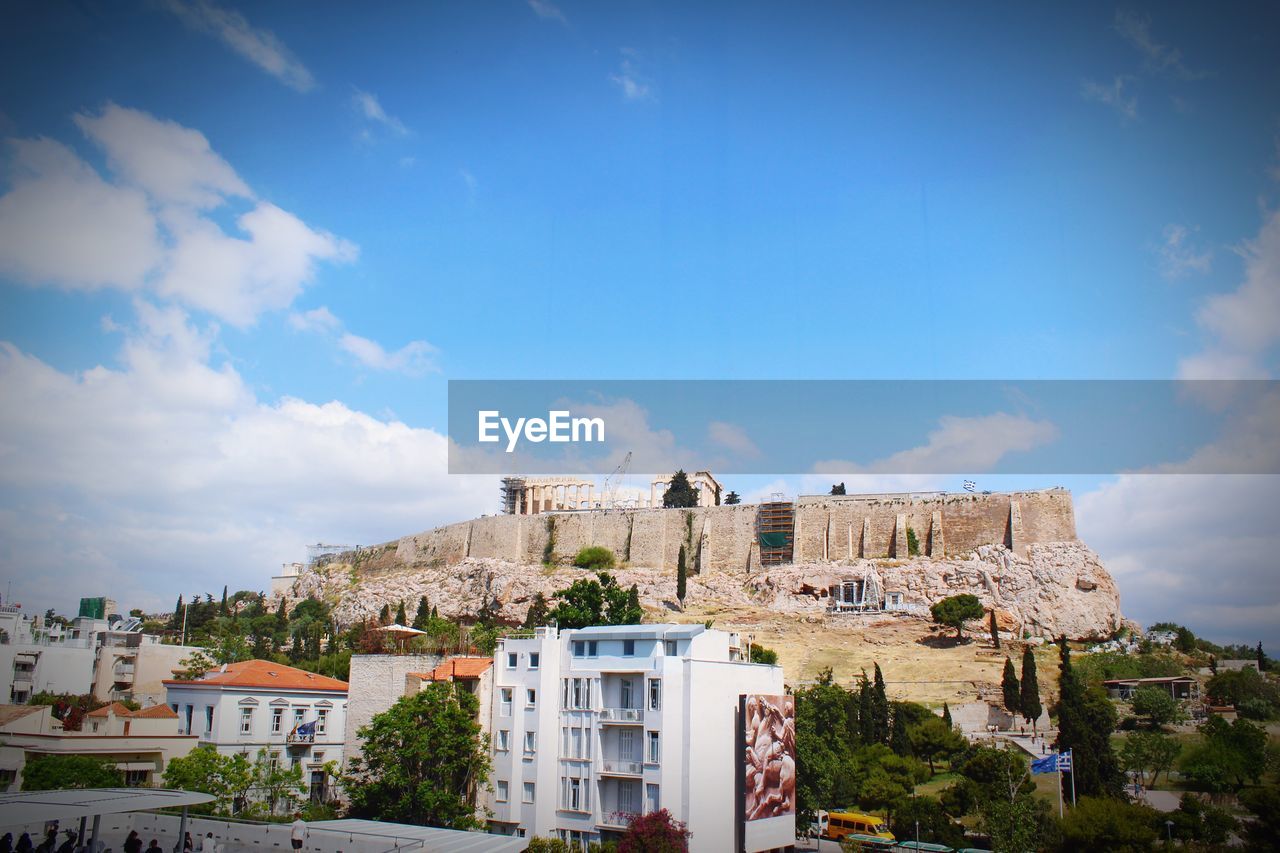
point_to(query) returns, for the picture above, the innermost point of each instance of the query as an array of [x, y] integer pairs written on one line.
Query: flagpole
[[1072, 753], [1055, 764]]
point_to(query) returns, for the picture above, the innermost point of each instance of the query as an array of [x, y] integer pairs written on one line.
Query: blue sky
[[637, 190]]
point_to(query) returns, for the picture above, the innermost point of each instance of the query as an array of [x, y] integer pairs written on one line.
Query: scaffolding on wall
[[319, 550], [775, 531], [512, 491], [863, 594]]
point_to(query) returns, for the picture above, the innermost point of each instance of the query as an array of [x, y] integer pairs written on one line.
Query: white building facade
[[260, 705], [591, 727], [38, 657]]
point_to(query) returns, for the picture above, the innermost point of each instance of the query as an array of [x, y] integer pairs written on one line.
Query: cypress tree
[[222, 608], [880, 707], [435, 614], [537, 615], [680, 493], [1262, 658], [1085, 723], [995, 631], [1029, 693], [384, 615], [899, 741], [682, 573], [1010, 688], [946, 715], [175, 621], [282, 615], [852, 718], [401, 617], [866, 710], [424, 613]]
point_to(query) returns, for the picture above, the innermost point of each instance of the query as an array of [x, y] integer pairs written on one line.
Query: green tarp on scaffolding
[[774, 540]]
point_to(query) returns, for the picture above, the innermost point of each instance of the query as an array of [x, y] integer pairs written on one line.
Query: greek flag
[[1052, 763], [1064, 761], [970, 485]]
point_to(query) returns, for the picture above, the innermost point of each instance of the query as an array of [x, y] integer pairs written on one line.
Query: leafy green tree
[[946, 715], [823, 757], [227, 777], [279, 788], [955, 610], [1107, 823], [762, 654], [194, 666], [934, 739], [838, 489], [53, 772], [926, 818], [680, 493], [655, 832], [1157, 706], [1200, 822], [868, 733], [597, 602], [538, 612], [1263, 832], [423, 761], [423, 614], [1086, 719], [1149, 753], [595, 557], [1229, 756], [1029, 692], [1235, 687], [1010, 688], [682, 575], [732, 499], [880, 707]]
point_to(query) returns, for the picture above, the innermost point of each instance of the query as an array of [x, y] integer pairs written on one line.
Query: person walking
[[133, 844], [6, 843], [24, 844], [154, 847], [298, 832], [69, 846]]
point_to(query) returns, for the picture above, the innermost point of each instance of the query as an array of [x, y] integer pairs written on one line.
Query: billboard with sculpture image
[[768, 771]]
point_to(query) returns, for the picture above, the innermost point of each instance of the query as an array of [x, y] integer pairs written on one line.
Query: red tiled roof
[[155, 712], [114, 708], [459, 667], [262, 673], [9, 713]]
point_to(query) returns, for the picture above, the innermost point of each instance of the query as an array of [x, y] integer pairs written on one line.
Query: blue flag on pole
[[307, 729], [1048, 764]]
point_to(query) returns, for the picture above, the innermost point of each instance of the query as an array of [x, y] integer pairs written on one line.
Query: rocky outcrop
[[1056, 588]]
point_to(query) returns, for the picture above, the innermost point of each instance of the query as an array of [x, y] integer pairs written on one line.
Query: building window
[[530, 742], [502, 791], [512, 660], [246, 721], [531, 697], [654, 752], [573, 794], [277, 720], [208, 718], [669, 647], [651, 803], [655, 694], [533, 660], [624, 693], [299, 714], [504, 701], [577, 742], [628, 648], [322, 719], [190, 710], [585, 648], [504, 740], [528, 792]]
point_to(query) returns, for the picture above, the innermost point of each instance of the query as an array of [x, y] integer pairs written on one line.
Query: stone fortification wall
[[722, 538]]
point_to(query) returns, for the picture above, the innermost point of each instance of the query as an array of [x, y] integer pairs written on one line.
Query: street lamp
[[1168, 826]]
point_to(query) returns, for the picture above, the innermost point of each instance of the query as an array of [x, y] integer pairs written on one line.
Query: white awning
[[34, 806], [135, 765]]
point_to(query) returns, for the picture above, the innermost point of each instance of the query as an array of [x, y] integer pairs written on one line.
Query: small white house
[[298, 717]]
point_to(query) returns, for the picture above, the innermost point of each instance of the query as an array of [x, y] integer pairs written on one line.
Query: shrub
[[596, 558]]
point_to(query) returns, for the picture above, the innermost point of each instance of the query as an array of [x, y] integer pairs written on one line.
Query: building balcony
[[616, 820], [622, 715], [621, 767], [295, 739], [23, 677]]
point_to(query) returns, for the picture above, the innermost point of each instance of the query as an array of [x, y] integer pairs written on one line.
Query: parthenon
[[533, 495]]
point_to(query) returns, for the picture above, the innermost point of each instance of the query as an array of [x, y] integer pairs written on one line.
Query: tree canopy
[[601, 601], [680, 492], [52, 772], [423, 760], [955, 610]]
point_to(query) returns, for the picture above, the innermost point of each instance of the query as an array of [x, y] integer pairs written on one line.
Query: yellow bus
[[836, 825]]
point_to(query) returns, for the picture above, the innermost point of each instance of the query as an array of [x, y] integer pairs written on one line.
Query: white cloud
[[1113, 96], [413, 359], [60, 223], [370, 107], [1178, 257], [732, 438], [167, 474], [547, 11], [63, 224], [628, 78], [1156, 58], [1244, 324], [259, 46], [172, 163], [238, 279], [969, 444]]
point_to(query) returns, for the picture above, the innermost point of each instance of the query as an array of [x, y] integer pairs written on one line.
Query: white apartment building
[[131, 665], [590, 727], [36, 657], [298, 717]]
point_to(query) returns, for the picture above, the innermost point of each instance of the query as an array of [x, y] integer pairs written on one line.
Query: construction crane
[[614, 480]]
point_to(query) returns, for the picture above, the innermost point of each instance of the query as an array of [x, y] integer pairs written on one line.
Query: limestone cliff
[[1054, 588]]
